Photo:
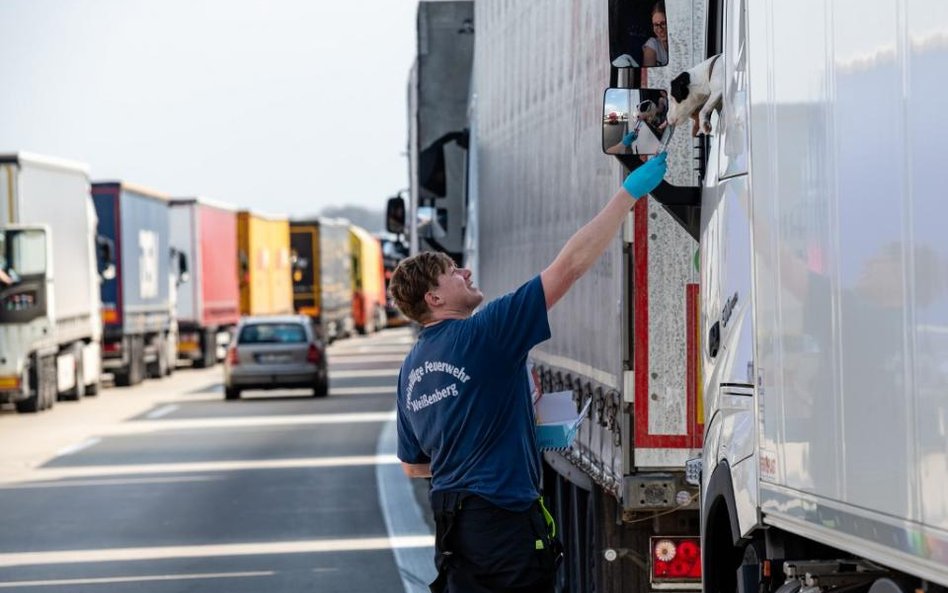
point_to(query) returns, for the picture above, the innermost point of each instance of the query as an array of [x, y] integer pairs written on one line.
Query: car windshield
[[272, 333]]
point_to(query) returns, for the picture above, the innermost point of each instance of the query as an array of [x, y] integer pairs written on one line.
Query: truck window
[[27, 252]]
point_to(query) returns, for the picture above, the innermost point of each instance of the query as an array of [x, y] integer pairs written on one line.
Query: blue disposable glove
[[629, 138], [647, 177]]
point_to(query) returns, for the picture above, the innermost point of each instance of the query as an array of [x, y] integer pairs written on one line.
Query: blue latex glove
[[629, 138], [647, 177]]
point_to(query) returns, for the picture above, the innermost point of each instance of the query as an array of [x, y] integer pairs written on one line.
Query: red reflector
[[232, 358], [112, 347], [313, 356], [676, 559]]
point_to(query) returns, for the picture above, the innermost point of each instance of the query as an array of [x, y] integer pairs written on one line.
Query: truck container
[[368, 281], [824, 310], [322, 274], [263, 260], [208, 306], [518, 109], [50, 324], [138, 304]]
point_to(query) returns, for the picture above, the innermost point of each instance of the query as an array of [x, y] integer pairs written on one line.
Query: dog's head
[[684, 99]]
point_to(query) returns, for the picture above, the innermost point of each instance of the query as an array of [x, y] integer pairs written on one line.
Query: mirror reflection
[[633, 121], [639, 34]]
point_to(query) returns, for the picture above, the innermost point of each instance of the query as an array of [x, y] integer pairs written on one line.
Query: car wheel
[[321, 389], [231, 393]]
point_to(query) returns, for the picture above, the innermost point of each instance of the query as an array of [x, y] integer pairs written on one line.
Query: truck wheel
[[93, 389], [132, 374], [208, 350], [79, 391], [231, 393], [46, 382], [30, 405], [157, 369], [138, 360]]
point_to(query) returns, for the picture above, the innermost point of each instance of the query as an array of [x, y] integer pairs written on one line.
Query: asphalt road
[[166, 487]]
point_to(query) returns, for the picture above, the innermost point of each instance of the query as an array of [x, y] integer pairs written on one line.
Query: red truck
[[208, 306]]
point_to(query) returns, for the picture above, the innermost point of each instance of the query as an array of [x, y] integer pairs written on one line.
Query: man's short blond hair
[[413, 278]]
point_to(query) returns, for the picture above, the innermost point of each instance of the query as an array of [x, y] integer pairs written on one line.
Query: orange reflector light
[[676, 559], [10, 383], [188, 346], [110, 316]]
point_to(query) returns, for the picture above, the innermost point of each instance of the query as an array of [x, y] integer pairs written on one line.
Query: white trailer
[[50, 325], [824, 310]]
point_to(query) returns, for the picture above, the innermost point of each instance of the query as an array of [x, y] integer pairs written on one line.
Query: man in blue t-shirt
[[465, 415]]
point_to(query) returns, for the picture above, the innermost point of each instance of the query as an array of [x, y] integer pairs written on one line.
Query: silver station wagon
[[275, 352]]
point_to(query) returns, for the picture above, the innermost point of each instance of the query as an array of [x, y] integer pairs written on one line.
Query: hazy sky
[[284, 106]]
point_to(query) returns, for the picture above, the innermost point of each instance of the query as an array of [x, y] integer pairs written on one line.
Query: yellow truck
[[368, 281], [263, 261]]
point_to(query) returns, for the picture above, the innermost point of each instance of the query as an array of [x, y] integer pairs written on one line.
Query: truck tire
[[30, 405], [208, 350], [133, 373], [93, 388], [79, 391], [158, 368], [231, 393]]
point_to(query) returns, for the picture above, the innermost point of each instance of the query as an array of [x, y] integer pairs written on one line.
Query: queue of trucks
[[763, 346], [112, 277]]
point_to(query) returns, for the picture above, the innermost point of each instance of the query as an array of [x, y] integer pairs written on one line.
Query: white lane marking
[[362, 390], [162, 411], [359, 358], [403, 517], [370, 350], [92, 471], [143, 426], [363, 373], [138, 579], [78, 447], [207, 551], [109, 482]]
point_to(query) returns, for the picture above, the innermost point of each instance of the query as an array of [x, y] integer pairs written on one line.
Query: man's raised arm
[[586, 245]]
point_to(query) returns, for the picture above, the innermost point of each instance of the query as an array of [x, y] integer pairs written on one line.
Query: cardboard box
[[557, 420]]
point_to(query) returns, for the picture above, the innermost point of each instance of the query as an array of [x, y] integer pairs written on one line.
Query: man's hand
[[647, 177], [629, 138]]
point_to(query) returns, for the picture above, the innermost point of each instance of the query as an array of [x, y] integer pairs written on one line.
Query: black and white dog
[[700, 87]]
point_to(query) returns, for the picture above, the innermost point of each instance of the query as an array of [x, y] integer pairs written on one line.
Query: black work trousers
[[482, 548]]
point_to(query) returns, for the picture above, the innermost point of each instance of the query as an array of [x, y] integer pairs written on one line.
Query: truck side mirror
[[183, 275], [106, 256], [395, 215], [634, 121]]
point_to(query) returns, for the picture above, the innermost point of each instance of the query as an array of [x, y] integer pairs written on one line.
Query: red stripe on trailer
[[693, 376], [642, 438]]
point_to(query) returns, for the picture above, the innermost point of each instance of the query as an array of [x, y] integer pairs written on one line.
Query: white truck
[[50, 325], [778, 307], [824, 310]]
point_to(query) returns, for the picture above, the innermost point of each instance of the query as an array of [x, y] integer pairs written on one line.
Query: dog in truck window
[[695, 93]]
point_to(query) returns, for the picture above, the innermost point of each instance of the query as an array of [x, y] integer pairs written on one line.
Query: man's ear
[[432, 300]]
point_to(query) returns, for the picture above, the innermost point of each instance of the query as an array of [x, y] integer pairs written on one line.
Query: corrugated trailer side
[[208, 305], [264, 260], [368, 281], [217, 241]]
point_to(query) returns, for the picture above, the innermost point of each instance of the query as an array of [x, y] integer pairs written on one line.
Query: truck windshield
[[22, 252]]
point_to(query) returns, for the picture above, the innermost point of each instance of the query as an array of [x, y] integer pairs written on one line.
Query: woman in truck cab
[[655, 50]]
